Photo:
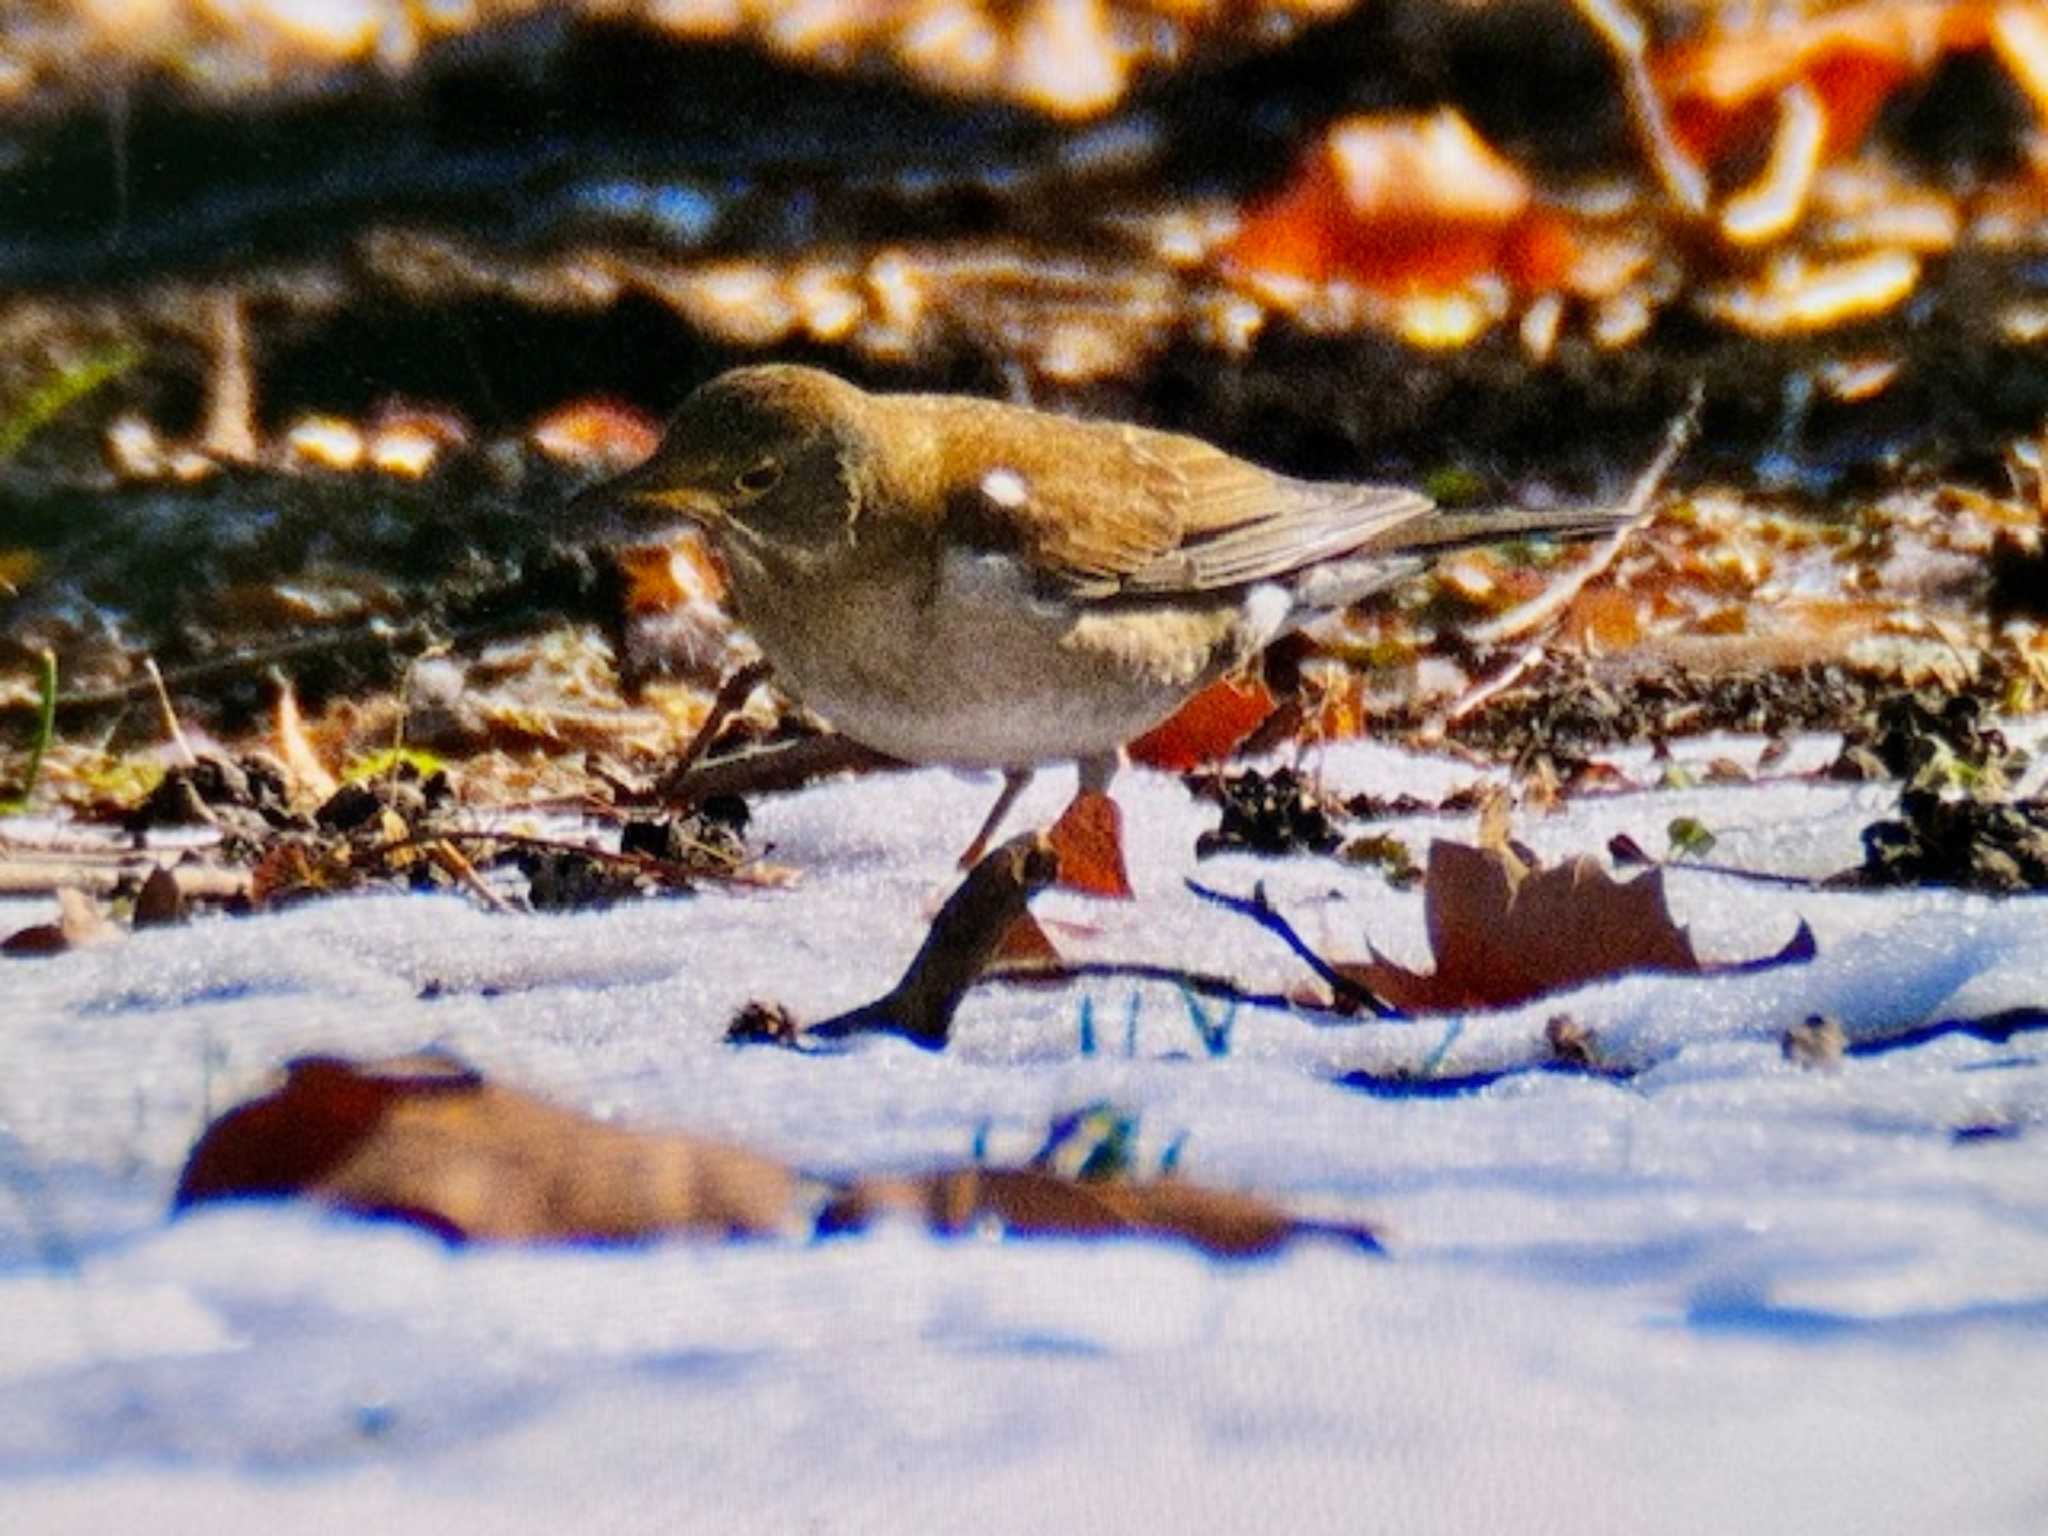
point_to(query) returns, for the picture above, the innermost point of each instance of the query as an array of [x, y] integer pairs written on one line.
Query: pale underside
[[979, 669]]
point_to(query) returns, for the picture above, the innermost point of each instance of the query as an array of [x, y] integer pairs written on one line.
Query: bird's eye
[[761, 477]]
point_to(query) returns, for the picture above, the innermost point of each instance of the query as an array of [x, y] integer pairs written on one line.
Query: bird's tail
[[1453, 530], [1442, 531]]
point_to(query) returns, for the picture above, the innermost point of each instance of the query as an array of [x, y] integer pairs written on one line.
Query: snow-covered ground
[[1728, 1294]]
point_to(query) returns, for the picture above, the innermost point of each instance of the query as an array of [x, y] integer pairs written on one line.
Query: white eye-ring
[[759, 477]]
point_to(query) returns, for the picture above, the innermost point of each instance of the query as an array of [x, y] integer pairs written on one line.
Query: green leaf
[[56, 395], [1690, 839]]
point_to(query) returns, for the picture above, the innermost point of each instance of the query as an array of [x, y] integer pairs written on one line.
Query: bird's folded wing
[[1102, 509], [1242, 524]]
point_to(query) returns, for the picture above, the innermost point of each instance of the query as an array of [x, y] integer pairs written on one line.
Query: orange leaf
[[1206, 729], [604, 434], [1025, 942], [1855, 57], [1089, 840], [1402, 204]]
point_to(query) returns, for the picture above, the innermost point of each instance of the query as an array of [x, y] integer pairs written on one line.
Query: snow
[[1725, 1294]]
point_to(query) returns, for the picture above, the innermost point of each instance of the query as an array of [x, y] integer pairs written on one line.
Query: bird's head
[[764, 458]]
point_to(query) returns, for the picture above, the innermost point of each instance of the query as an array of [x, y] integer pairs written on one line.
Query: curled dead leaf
[[427, 1140], [80, 923], [1504, 930]]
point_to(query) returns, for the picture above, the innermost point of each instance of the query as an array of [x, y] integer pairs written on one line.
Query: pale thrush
[[953, 580]]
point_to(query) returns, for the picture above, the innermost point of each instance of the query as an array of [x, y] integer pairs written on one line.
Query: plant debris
[[1930, 741], [1999, 847], [1504, 930], [80, 923], [427, 1140], [1272, 814], [968, 933], [1817, 1043]]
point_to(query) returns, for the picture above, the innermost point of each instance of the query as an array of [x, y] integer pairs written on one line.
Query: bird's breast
[[963, 660]]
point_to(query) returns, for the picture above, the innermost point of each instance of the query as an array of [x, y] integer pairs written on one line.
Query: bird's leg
[[1089, 836], [1014, 782]]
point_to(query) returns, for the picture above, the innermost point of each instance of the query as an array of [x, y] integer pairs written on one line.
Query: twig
[[1544, 609], [1635, 507], [170, 714], [238, 663], [229, 431], [769, 770], [963, 938], [1201, 983], [732, 696], [43, 876], [444, 853], [668, 871], [1262, 912], [1622, 33]]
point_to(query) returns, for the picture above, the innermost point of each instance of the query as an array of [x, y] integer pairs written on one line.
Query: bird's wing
[[1243, 524], [1101, 509]]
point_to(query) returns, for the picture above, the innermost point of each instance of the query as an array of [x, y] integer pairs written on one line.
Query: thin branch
[[1635, 509], [1545, 608], [732, 697], [1201, 983], [43, 875], [1621, 30], [668, 871], [769, 770], [1262, 912], [170, 713]]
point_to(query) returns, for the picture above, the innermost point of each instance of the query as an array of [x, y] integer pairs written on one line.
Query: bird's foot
[[1089, 839]]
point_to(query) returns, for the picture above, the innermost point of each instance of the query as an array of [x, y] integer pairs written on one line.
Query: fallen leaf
[[1024, 1202], [601, 434], [1026, 943], [80, 922], [1504, 930], [1206, 729], [1853, 57], [1403, 204], [427, 1140], [161, 901], [1089, 842]]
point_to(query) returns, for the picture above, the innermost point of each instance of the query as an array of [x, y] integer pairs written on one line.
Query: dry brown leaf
[[161, 901], [426, 1139], [1025, 1202], [80, 922], [1504, 930]]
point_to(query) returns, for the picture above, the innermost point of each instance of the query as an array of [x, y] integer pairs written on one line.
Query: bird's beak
[[640, 504]]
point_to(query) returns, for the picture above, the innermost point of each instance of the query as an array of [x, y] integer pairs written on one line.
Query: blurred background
[[312, 308]]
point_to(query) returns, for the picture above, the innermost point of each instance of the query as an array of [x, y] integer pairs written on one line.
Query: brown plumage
[[955, 580]]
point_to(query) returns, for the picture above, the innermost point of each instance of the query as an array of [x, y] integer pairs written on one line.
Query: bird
[[953, 580]]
